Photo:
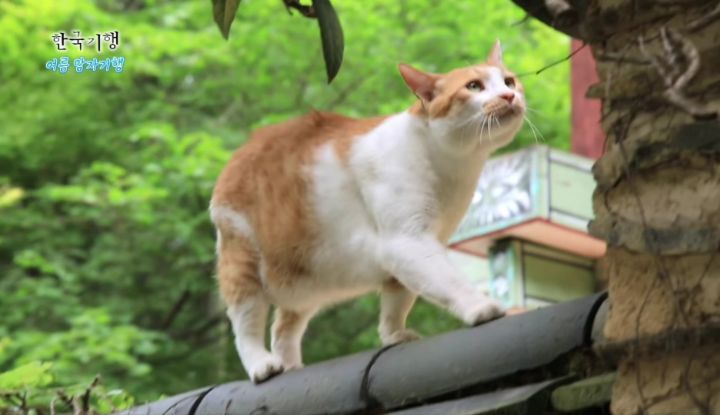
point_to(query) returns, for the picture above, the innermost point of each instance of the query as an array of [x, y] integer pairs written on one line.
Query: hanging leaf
[[331, 35], [224, 13]]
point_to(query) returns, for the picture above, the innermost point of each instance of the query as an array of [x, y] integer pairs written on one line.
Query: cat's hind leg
[[287, 332], [395, 304], [248, 322], [247, 308]]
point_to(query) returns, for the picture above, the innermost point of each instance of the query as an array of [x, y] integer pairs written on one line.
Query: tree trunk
[[657, 202]]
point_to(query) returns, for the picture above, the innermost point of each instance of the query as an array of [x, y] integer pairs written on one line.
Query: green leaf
[[224, 13], [331, 34], [30, 374], [11, 196]]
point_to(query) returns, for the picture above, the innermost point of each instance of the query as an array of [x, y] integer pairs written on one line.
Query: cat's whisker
[[477, 120], [534, 135], [482, 126], [497, 120], [489, 125], [535, 111], [533, 132], [469, 120], [534, 129], [471, 125]]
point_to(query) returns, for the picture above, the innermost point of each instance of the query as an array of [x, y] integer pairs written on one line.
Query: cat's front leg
[[395, 304], [420, 263]]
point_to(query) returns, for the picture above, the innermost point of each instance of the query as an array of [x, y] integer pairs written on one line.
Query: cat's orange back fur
[[267, 179]]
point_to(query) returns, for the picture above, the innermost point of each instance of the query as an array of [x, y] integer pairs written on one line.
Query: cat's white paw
[[292, 366], [484, 311], [266, 368], [400, 336]]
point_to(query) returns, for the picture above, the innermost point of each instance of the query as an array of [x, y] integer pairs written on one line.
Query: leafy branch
[[331, 33], [307, 11]]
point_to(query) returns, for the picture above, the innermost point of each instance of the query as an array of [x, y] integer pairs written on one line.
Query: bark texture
[[670, 383], [657, 201]]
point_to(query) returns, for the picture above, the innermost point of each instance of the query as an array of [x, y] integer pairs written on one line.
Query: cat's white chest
[[343, 260], [387, 187], [454, 198]]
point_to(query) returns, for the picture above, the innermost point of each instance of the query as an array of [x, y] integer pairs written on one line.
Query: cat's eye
[[510, 81], [475, 86]]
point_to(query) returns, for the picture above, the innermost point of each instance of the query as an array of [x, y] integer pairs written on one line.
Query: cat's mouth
[[505, 113]]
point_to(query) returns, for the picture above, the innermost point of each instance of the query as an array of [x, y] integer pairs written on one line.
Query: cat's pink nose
[[508, 96]]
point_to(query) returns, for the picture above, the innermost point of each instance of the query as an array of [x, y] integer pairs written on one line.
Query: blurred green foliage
[[106, 250]]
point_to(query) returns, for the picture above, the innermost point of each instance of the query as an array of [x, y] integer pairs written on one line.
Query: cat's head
[[479, 106]]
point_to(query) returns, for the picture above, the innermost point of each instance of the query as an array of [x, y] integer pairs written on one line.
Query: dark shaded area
[[530, 399]]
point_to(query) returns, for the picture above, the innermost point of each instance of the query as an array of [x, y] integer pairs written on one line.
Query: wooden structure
[[588, 138]]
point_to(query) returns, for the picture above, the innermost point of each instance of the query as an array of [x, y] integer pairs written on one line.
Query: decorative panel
[[537, 194]]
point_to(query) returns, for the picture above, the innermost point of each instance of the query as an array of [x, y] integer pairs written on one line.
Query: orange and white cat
[[323, 208]]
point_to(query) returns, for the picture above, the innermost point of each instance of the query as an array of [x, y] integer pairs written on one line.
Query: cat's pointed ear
[[496, 56], [420, 83]]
